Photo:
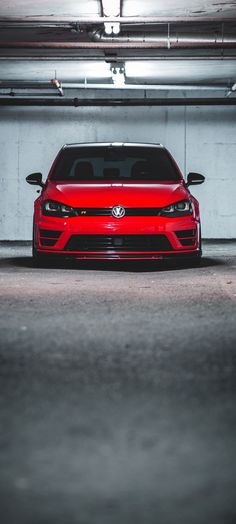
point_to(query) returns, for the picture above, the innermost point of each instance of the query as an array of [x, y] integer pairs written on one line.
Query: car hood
[[111, 194]]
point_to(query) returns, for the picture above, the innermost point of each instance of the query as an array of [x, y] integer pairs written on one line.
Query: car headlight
[[56, 209], [179, 209]]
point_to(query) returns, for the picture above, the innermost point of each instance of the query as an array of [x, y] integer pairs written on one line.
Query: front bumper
[[109, 238]]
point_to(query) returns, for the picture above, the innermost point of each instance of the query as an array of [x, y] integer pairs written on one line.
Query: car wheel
[[41, 260], [198, 257], [195, 260], [192, 260]]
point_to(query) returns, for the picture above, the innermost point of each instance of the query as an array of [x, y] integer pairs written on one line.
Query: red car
[[116, 201]]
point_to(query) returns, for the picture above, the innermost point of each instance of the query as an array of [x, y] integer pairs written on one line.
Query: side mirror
[[35, 179], [194, 178]]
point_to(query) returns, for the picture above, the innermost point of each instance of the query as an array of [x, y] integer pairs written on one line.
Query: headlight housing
[[56, 209], [179, 209]]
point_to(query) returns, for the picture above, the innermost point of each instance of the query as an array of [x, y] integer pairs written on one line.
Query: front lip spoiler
[[118, 257], [122, 256], [138, 257]]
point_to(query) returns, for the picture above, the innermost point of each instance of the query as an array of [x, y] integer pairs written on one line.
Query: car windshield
[[115, 163]]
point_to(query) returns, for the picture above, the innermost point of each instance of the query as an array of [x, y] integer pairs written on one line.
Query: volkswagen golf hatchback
[[116, 201]]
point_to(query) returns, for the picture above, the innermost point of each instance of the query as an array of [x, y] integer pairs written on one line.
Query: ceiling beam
[[118, 102], [73, 58], [119, 45], [96, 20], [119, 58]]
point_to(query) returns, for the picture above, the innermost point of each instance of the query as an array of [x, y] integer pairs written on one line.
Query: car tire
[[198, 257], [41, 260], [193, 260], [196, 261]]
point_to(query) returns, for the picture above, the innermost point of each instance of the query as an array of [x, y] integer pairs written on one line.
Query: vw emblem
[[118, 211]]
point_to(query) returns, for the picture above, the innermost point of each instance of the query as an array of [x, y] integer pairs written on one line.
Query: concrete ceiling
[[197, 65], [26, 8], [50, 8], [179, 7]]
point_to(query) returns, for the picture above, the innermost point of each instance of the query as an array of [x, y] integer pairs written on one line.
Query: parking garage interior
[[117, 379]]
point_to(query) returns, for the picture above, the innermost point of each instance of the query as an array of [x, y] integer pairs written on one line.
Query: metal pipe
[[169, 40], [198, 44], [22, 84], [88, 20], [119, 102], [35, 25], [74, 58], [154, 87], [30, 95]]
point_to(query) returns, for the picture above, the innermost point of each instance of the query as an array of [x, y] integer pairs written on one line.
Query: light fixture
[[112, 28], [111, 7], [118, 75]]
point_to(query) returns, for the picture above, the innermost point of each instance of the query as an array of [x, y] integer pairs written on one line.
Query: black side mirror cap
[[195, 178], [35, 179]]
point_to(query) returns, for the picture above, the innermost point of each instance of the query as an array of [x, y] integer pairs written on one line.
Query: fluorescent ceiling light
[[118, 79], [111, 7]]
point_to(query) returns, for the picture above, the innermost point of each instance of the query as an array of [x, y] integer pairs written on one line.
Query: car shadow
[[113, 265]]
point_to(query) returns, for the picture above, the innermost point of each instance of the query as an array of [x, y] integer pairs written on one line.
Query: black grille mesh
[[117, 243], [129, 212]]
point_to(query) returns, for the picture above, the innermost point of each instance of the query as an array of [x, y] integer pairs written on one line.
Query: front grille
[[186, 237], [117, 243], [107, 212]]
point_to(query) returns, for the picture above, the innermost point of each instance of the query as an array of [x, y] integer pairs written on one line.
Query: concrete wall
[[201, 139]]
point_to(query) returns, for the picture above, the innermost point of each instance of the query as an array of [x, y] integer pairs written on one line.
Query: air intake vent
[[187, 238], [186, 234], [47, 233], [48, 237]]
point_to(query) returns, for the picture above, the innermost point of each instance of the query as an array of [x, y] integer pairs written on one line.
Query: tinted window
[[115, 163]]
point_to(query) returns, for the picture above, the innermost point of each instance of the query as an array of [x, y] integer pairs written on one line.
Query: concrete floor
[[118, 391]]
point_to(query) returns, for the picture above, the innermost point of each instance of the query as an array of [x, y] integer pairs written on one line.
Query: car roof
[[113, 144]]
